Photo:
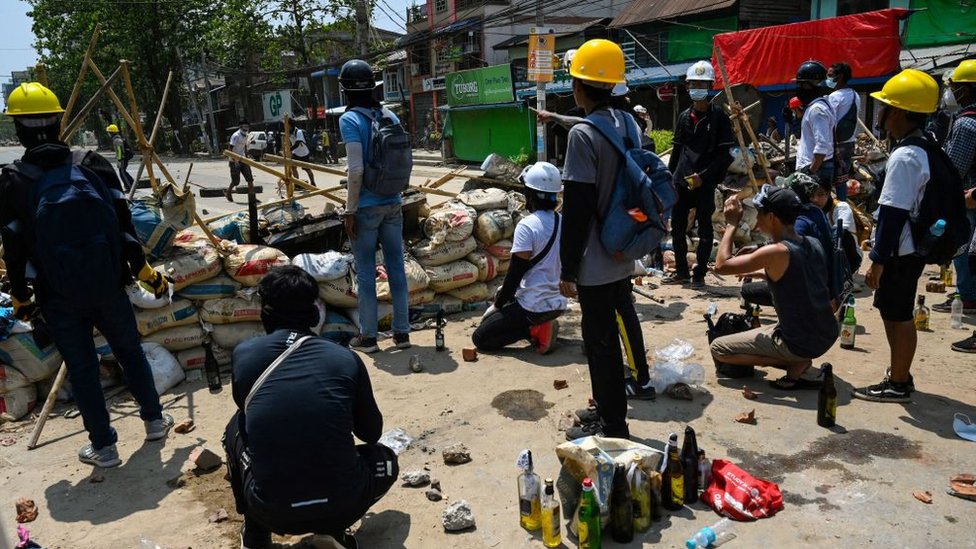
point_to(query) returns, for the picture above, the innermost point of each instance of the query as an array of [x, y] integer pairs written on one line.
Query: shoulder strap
[[264, 376], [608, 132], [969, 113], [552, 239]]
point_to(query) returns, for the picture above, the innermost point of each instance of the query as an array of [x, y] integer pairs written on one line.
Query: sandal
[[676, 278], [787, 383], [962, 486]]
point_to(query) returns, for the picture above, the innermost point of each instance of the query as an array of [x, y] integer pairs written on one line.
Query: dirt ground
[[848, 486]]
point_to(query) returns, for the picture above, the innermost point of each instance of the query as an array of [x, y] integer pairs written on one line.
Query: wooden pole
[[286, 153], [306, 165], [318, 192], [162, 107], [75, 123], [186, 180], [40, 74], [434, 191], [870, 133], [147, 150], [52, 397], [736, 123], [81, 77], [287, 178], [206, 230]]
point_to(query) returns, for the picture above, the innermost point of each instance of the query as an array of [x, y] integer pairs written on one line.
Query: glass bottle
[[589, 522], [921, 315], [640, 492], [551, 536], [530, 505]]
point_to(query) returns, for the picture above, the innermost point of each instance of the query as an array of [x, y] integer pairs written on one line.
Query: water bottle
[[956, 322], [935, 232], [712, 536]]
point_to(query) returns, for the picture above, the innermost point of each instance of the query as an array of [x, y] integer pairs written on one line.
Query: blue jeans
[[71, 328], [965, 282], [381, 225]]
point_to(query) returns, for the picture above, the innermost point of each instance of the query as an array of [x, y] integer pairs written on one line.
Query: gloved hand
[[157, 282], [25, 310]]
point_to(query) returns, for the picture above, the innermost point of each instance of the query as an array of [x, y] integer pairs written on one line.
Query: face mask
[[807, 95], [831, 83], [949, 100], [697, 94]]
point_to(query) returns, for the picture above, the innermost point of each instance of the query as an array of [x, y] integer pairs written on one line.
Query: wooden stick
[[186, 180], [431, 190], [286, 152], [444, 179], [871, 134], [743, 120], [75, 123], [736, 123], [306, 165], [278, 202], [280, 175], [206, 230], [147, 150], [52, 397], [81, 77], [162, 107], [40, 74]]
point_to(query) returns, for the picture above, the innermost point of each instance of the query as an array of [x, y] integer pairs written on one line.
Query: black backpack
[[728, 324], [390, 155], [943, 199]]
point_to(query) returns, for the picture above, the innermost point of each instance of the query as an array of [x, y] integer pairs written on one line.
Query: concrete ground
[[847, 486]]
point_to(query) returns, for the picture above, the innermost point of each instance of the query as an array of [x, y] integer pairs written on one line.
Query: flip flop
[[962, 486], [787, 383]]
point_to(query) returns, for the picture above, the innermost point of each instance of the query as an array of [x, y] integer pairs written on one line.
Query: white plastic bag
[[328, 266], [166, 370]]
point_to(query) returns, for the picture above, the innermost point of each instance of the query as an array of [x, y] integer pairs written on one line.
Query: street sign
[[542, 48], [276, 105], [665, 92]]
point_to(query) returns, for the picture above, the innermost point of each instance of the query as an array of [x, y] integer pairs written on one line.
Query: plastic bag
[[166, 370], [678, 349], [665, 374], [328, 266], [396, 439], [738, 495]]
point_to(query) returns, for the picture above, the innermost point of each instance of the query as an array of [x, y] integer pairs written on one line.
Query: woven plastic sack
[[472, 293], [217, 287], [452, 222], [429, 254], [421, 297], [178, 313], [189, 266], [501, 249], [12, 379], [229, 336], [17, 403], [338, 328], [328, 266], [195, 358], [340, 292], [166, 370], [177, 339], [492, 226], [35, 363], [444, 278], [249, 263], [417, 279], [231, 309], [486, 263], [485, 199]]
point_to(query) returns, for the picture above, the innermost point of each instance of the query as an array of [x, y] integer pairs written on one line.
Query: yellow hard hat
[[30, 99], [910, 90], [112, 128], [600, 61], [965, 72]]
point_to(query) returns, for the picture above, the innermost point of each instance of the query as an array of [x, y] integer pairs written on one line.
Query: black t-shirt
[[299, 427], [701, 144]]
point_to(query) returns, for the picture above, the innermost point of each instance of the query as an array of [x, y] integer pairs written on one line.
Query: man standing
[[908, 98], [846, 105], [815, 151], [64, 214], [238, 145], [294, 465], [698, 162], [600, 280], [300, 151], [123, 153]]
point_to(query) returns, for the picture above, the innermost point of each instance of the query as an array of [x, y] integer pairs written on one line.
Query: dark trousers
[[71, 328], [702, 200], [757, 293], [261, 518], [633, 340], [236, 169], [509, 325], [599, 305], [124, 177]]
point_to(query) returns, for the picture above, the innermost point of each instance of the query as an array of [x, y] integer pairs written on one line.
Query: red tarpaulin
[[767, 56]]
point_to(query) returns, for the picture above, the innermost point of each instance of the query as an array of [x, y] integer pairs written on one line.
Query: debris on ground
[[396, 439], [924, 497], [176, 482], [458, 516], [748, 394], [184, 426], [97, 478], [435, 483], [415, 478], [218, 517], [456, 454], [204, 459], [566, 420], [747, 417], [8, 441], [680, 391], [560, 384], [962, 486], [26, 510], [415, 365], [469, 354], [434, 494]]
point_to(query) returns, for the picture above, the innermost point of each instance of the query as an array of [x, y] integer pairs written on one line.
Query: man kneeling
[[529, 300], [294, 466], [796, 268]]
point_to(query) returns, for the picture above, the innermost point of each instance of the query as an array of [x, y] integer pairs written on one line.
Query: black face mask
[[807, 96], [35, 137]]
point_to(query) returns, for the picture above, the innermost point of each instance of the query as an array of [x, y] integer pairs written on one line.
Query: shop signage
[[480, 86], [433, 83], [276, 105], [542, 49], [665, 92]]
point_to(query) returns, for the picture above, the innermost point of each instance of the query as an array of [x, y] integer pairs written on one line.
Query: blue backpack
[[74, 231], [636, 218]]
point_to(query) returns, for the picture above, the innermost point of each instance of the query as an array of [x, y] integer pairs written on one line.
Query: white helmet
[[543, 177], [701, 71], [620, 90], [568, 59], [640, 109]]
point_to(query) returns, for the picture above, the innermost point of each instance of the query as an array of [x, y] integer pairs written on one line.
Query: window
[[850, 7], [440, 6]]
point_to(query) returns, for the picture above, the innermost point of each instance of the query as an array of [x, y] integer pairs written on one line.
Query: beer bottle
[[654, 482], [211, 368], [589, 522], [921, 315], [673, 480], [551, 536], [704, 471], [439, 331], [640, 492], [827, 399], [848, 326], [621, 507], [689, 462], [529, 503]]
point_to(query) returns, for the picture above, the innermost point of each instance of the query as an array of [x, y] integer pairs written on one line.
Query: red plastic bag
[[738, 495]]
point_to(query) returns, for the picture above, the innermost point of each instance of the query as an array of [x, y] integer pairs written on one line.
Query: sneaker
[[159, 428], [254, 538], [402, 341], [676, 278], [968, 307], [228, 195], [698, 282], [584, 430], [886, 391], [911, 380], [637, 391], [364, 344], [103, 457], [544, 336], [967, 345], [588, 415]]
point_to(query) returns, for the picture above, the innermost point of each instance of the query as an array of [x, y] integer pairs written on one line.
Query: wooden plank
[[81, 77], [431, 190], [306, 165], [281, 175]]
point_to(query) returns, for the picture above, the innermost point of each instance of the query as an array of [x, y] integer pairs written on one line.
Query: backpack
[[74, 231], [640, 204], [847, 124], [390, 155], [943, 198], [728, 324]]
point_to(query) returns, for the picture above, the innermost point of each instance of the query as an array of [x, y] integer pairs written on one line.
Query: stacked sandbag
[[229, 310], [492, 226], [249, 263], [22, 365], [196, 358], [450, 222], [485, 199], [186, 266], [417, 279], [158, 219], [180, 312]]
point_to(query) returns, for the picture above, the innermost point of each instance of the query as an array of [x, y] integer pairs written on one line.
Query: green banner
[[940, 22], [480, 86]]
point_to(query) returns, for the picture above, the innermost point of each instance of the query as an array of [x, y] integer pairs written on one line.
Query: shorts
[[895, 296], [301, 158], [759, 341]]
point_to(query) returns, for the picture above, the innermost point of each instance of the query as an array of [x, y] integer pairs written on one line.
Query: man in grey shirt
[[589, 271]]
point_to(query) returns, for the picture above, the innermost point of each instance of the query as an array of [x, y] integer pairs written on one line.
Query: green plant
[[522, 158], [662, 139]]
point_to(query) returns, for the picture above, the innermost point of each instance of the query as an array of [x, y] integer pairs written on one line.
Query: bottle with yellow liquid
[[921, 315], [589, 523], [946, 274], [673, 481], [551, 536], [640, 491], [530, 504]]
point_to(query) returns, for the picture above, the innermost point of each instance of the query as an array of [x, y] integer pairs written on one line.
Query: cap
[[783, 203], [795, 103]]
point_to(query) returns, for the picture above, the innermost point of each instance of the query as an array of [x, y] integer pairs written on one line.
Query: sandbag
[[249, 263], [283, 214], [485, 199], [341, 292], [157, 219], [189, 266], [501, 249], [195, 358], [177, 339], [516, 202], [178, 313], [17, 403], [452, 222], [328, 266], [188, 238], [444, 278], [166, 370], [503, 266], [493, 225], [213, 288], [421, 297], [472, 293], [429, 254], [232, 309], [12, 379], [229, 336], [143, 298], [235, 227], [21, 352], [338, 328], [102, 348], [417, 279], [486, 263]]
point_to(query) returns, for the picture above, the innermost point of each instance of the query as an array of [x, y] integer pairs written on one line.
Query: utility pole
[[194, 100], [540, 95], [210, 114], [362, 27]]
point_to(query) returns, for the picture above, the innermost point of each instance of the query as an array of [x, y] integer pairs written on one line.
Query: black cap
[[811, 71], [783, 203], [243, 122], [356, 75]]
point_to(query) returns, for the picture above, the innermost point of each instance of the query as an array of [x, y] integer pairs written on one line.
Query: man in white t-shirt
[[846, 106], [300, 151], [908, 98], [529, 301], [815, 150], [238, 145]]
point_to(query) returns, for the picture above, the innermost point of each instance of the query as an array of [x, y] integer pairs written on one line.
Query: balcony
[[417, 14]]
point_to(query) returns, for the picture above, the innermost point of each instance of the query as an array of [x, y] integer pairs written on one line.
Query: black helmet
[[811, 71], [356, 74]]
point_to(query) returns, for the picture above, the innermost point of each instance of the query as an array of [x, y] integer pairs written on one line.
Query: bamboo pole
[[162, 107], [736, 123], [280, 175], [306, 165], [434, 191], [278, 202], [871, 134], [206, 231], [40, 74], [144, 145], [286, 152], [52, 397], [75, 123], [81, 77]]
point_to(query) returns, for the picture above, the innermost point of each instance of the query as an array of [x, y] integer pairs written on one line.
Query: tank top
[[802, 300]]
